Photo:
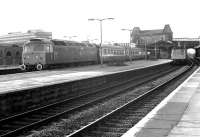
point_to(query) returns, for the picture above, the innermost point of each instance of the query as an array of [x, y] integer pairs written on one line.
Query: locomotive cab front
[[35, 54]]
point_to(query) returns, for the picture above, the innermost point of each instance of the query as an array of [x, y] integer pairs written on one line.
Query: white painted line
[[134, 130]]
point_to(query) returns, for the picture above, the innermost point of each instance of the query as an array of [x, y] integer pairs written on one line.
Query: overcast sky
[[70, 17]]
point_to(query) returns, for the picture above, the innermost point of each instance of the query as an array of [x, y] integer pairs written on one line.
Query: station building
[[11, 45], [157, 42]]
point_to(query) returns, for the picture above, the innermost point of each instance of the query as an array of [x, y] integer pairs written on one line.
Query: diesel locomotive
[[183, 55], [42, 53]]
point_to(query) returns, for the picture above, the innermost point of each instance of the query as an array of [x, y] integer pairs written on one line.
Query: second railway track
[[117, 122]]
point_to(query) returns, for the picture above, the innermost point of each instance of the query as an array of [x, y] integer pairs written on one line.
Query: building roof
[[166, 29], [151, 32]]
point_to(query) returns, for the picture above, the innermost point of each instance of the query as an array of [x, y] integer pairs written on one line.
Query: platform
[[178, 115], [21, 81]]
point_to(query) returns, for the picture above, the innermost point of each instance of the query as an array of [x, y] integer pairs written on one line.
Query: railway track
[[15, 125], [117, 122]]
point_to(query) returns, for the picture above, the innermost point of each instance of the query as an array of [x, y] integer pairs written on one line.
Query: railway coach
[[114, 54]]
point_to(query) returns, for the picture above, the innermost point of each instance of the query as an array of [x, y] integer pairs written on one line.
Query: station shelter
[[160, 49]]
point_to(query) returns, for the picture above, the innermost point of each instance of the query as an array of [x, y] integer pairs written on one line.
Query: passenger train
[[42, 53], [182, 55]]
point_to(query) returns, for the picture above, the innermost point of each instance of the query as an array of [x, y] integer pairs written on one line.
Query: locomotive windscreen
[[36, 47]]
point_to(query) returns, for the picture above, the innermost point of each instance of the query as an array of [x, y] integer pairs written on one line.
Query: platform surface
[[178, 115], [20, 81]]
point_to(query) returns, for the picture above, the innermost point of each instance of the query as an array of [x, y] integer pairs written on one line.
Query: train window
[[30, 47]]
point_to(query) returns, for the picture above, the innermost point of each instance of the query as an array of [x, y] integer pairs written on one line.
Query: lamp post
[[145, 46], [129, 49], [100, 21]]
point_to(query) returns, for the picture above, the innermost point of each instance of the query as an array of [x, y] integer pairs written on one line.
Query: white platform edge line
[[132, 132]]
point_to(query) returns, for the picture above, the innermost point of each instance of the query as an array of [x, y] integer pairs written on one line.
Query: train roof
[[58, 42], [72, 43]]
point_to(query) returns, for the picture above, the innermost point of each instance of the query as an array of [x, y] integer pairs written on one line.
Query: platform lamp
[[100, 21], [130, 31]]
